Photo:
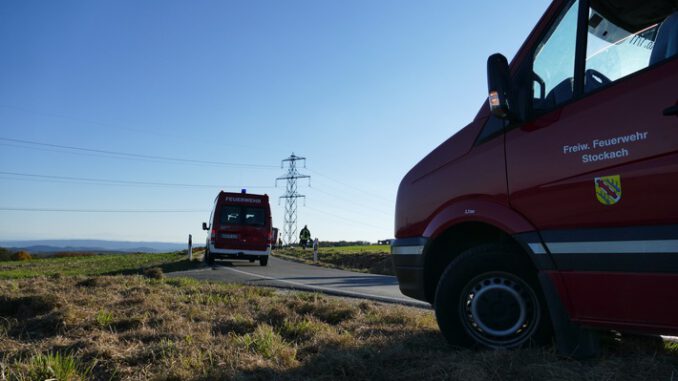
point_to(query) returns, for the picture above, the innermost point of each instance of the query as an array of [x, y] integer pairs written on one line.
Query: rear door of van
[[243, 227]]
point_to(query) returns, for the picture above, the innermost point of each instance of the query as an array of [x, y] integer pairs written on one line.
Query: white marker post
[[315, 250], [190, 247]]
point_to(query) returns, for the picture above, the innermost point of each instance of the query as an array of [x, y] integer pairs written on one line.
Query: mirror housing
[[204, 226], [499, 87]]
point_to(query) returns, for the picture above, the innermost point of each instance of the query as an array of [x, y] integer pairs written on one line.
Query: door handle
[[673, 110]]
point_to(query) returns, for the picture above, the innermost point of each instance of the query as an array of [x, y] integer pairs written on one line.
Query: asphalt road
[[288, 274]]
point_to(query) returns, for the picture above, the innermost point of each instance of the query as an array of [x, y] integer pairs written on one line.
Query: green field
[[95, 265], [374, 259]]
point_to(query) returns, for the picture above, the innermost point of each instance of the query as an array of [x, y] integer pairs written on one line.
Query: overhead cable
[[99, 181], [347, 219], [376, 196], [137, 155], [102, 210]]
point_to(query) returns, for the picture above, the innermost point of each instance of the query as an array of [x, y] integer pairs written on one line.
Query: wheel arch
[[467, 224]]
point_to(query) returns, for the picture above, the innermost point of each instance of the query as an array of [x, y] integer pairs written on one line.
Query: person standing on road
[[315, 250], [304, 236]]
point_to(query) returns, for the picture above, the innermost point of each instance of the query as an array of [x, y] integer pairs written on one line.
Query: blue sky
[[362, 89]]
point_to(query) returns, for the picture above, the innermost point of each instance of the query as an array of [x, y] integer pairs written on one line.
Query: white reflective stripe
[[248, 252], [614, 247], [407, 250], [537, 248]]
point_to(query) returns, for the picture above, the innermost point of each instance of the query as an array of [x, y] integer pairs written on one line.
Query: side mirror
[[499, 87], [204, 226]]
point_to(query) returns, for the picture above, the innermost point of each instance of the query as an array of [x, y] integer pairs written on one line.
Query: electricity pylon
[[291, 196]]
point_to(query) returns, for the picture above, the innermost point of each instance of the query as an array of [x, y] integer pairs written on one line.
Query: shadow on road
[[183, 265], [348, 281], [241, 263]]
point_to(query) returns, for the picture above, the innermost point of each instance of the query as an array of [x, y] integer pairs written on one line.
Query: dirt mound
[[33, 317], [26, 307]]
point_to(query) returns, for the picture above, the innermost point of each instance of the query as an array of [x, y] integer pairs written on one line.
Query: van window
[[553, 63], [255, 216], [242, 215], [621, 40], [230, 215]]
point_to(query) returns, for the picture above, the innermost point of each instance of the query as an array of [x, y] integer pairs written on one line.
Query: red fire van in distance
[[240, 227], [556, 209]]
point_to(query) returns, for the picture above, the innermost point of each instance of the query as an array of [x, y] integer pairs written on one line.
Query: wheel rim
[[499, 310]]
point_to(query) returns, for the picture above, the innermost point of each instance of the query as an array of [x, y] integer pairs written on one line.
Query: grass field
[[374, 259], [134, 328], [95, 265], [128, 327]]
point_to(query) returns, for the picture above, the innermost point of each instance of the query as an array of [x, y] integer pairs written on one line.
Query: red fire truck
[[240, 228], [556, 209]]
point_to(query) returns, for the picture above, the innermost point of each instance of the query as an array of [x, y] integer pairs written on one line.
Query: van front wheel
[[263, 261], [487, 297]]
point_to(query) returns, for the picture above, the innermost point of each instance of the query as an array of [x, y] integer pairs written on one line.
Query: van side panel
[[477, 210], [553, 161], [478, 174], [597, 177], [629, 299]]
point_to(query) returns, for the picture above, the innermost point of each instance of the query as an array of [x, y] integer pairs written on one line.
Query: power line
[[82, 120], [102, 210], [99, 181], [78, 153], [376, 196], [137, 155], [24, 147], [351, 201], [115, 127], [347, 219], [106, 182]]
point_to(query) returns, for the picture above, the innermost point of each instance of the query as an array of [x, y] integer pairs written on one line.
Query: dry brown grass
[[133, 328]]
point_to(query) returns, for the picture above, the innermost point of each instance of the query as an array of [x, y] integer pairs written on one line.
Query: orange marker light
[[494, 99]]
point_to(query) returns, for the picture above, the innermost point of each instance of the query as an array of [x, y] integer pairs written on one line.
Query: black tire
[[209, 260], [263, 261], [489, 297], [252, 260]]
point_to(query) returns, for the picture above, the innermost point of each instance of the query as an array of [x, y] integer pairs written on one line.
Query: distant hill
[[92, 245]]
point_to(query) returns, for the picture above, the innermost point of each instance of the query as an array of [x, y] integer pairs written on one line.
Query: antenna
[[291, 196]]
